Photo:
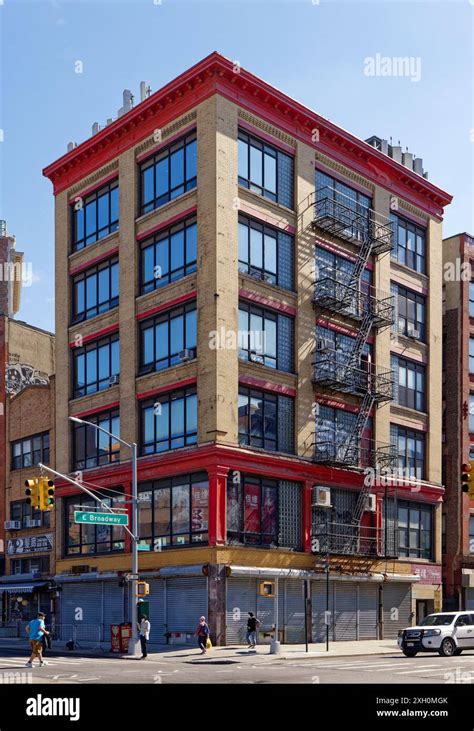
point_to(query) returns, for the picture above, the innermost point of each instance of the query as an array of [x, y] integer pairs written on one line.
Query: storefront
[[22, 600]]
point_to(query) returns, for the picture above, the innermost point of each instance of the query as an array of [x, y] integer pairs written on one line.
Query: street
[[389, 669]]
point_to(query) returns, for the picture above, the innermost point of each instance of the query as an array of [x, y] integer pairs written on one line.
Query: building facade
[[239, 284], [458, 404]]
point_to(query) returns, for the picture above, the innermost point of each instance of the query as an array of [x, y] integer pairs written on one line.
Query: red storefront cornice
[[216, 74]]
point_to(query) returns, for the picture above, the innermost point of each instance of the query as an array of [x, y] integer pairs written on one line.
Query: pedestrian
[[202, 633], [144, 629], [35, 631], [252, 624]]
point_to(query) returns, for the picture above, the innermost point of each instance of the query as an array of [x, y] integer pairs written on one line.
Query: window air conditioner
[[186, 354], [12, 525], [321, 497], [324, 344], [113, 380], [256, 357], [371, 504], [413, 333], [30, 523]]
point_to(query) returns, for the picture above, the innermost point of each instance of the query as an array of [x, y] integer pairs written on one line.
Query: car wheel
[[448, 647], [410, 653], [457, 652]]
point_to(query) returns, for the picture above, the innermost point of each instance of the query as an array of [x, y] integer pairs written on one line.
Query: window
[[265, 337], [95, 290], [340, 346], [471, 299], [471, 413], [266, 253], [168, 256], [82, 539], [94, 365], [93, 448], [266, 420], [166, 336], [334, 429], [410, 450], [265, 170], [344, 203], [471, 534], [30, 451], [168, 174], [409, 379], [97, 217], [410, 316], [174, 512], [36, 564], [23, 512], [169, 422], [471, 355], [409, 244], [415, 535], [252, 511]]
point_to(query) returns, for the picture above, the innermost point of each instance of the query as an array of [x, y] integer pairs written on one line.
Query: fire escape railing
[[345, 539], [343, 452], [334, 290], [334, 374]]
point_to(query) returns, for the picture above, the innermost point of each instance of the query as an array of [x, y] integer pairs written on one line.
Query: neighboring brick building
[[458, 404], [229, 210]]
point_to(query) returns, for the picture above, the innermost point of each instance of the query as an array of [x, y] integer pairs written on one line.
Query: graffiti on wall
[[19, 375]]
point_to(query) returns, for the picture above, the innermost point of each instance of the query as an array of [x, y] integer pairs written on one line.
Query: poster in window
[[199, 507], [252, 508], [180, 509], [269, 511], [233, 507]]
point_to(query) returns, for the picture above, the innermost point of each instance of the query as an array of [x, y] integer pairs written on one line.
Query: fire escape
[[351, 371]]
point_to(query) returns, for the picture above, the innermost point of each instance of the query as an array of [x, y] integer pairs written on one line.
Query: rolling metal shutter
[[396, 608], [241, 599], [114, 605], [368, 611], [266, 613], [186, 601], [156, 601], [470, 599], [294, 611], [88, 597], [318, 599], [345, 614]]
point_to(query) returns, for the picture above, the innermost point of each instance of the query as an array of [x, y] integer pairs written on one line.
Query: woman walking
[[202, 633]]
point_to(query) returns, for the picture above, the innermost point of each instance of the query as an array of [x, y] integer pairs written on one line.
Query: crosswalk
[[432, 666]]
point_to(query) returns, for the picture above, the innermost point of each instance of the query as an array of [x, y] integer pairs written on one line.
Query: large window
[[339, 347], [169, 421], [409, 379], [415, 530], [82, 539], [266, 253], [174, 512], [252, 511], [410, 312], [410, 450], [168, 174], [95, 216], [471, 413], [168, 256], [23, 512], [30, 451], [36, 564], [409, 244], [345, 203], [96, 290], [265, 170], [266, 420], [95, 364], [265, 337], [92, 447], [168, 339]]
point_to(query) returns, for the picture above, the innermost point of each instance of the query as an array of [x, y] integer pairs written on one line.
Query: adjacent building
[[253, 296], [458, 417]]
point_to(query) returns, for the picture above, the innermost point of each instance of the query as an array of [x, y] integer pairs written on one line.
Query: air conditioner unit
[[267, 278], [113, 380], [413, 333], [321, 497], [371, 504], [30, 523], [186, 354], [12, 525], [256, 357], [324, 344]]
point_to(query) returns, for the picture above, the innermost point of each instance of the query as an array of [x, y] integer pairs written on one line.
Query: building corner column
[[217, 510]]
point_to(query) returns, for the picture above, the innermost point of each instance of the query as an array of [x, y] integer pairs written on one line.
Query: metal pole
[[306, 613], [275, 643], [327, 603], [133, 643]]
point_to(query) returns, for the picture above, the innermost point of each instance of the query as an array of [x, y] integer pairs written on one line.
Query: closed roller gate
[[345, 611], [241, 598], [86, 596], [186, 601], [294, 611], [318, 600], [396, 608], [156, 604], [114, 605], [368, 611]]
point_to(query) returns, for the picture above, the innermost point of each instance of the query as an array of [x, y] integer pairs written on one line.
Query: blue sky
[[313, 52]]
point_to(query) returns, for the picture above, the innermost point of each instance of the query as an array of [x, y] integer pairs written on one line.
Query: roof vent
[[71, 146], [407, 158]]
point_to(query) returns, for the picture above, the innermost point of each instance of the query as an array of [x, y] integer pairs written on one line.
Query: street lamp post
[[133, 643]]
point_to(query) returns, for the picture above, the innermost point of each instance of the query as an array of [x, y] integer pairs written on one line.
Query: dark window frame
[[166, 153], [22, 511], [417, 299], [274, 152], [44, 451], [113, 224], [262, 273], [94, 345], [152, 323], [173, 275], [91, 461], [25, 565], [407, 551], [188, 437], [266, 315], [99, 307], [83, 501], [419, 437], [247, 439], [417, 259], [252, 538], [417, 368]]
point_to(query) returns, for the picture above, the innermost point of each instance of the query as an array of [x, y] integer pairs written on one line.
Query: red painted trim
[[165, 389], [335, 403], [97, 410], [216, 75], [257, 132], [267, 218], [96, 335], [245, 294], [267, 385], [163, 145], [319, 166], [88, 264], [307, 516], [167, 305], [217, 523], [95, 186], [340, 252], [341, 329], [166, 224]]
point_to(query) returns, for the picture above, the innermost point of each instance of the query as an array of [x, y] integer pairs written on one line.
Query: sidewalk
[[222, 655]]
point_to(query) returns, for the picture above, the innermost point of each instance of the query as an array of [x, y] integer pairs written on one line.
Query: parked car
[[448, 633]]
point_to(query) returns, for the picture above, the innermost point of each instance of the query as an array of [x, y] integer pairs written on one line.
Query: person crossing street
[[35, 630]]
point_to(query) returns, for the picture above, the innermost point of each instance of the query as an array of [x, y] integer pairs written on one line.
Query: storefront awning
[[22, 588]]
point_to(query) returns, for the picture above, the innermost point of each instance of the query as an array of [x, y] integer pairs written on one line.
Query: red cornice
[[216, 74]]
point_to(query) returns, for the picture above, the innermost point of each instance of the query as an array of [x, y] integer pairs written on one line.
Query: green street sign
[[81, 516]]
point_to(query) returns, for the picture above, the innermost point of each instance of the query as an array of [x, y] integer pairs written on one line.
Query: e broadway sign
[[81, 516]]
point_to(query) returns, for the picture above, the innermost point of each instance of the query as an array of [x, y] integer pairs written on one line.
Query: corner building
[[210, 210]]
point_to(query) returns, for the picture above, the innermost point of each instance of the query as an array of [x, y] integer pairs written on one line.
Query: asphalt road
[[386, 669]]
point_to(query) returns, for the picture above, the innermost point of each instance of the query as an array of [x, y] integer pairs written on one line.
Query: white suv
[[448, 633]]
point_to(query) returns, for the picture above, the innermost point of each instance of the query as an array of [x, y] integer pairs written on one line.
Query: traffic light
[[33, 493], [467, 478], [143, 589], [46, 492]]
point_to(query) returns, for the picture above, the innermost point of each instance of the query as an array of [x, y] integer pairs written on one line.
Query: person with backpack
[[252, 624], [202, 633]]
